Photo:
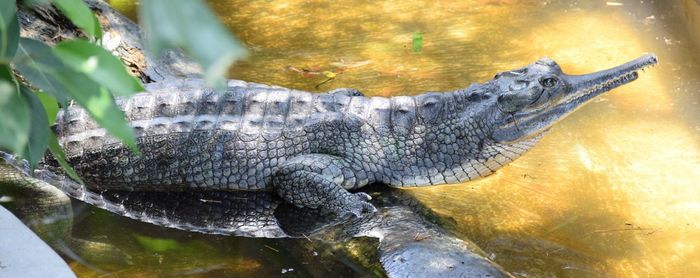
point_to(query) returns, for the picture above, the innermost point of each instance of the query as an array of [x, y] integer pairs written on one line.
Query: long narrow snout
[[590, 85]]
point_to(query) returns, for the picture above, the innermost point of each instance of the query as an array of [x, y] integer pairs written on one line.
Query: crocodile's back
[[190, 136]]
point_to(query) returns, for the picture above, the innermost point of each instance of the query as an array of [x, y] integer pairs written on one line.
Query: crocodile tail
[[62, 182], [78, 191]]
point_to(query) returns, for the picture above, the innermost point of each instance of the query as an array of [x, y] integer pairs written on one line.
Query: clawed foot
[[358, 204], [310, 181]]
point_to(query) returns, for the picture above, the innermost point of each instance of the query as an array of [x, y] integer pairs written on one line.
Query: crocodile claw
[[360, 206], [364, 196]]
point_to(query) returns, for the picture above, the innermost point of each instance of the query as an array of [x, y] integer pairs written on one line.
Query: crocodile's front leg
[[319, 181]]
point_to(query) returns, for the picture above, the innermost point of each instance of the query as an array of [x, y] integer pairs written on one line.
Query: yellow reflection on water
[[610, 191]]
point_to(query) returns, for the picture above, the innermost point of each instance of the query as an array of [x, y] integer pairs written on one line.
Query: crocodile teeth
[[608, 85]]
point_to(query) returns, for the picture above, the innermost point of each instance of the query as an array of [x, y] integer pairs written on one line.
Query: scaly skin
[[312, 148]]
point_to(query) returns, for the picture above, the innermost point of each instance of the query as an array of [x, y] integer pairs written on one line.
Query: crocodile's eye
[[548, 82]]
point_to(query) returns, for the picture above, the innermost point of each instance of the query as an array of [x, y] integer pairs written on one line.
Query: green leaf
[[50, 106], [58, 154], [190, 26], [6, 74], [33, 60], [8, 10], [14, 112], [39, 130], [81, 16], [417, 43], [9, 30], [47, 72], [98, 64]]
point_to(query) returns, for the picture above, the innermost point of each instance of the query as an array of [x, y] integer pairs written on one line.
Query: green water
[[611, 191]]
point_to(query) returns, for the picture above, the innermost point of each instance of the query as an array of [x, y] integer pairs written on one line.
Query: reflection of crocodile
[[312, 148]]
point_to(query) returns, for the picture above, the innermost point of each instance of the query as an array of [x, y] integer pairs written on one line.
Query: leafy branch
[[83, 71]]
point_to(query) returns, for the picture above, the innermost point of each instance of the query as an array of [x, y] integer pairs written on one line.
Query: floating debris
[[306, 72], [329, 74], [324, 82], [417, 43], [270, 247]]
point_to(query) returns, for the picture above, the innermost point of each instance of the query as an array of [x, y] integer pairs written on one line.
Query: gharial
[[313, 148]]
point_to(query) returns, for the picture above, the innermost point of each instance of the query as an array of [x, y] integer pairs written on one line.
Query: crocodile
[[314, 150]]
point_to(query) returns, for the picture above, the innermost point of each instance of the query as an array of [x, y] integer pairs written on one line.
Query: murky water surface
[[610, 191]]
